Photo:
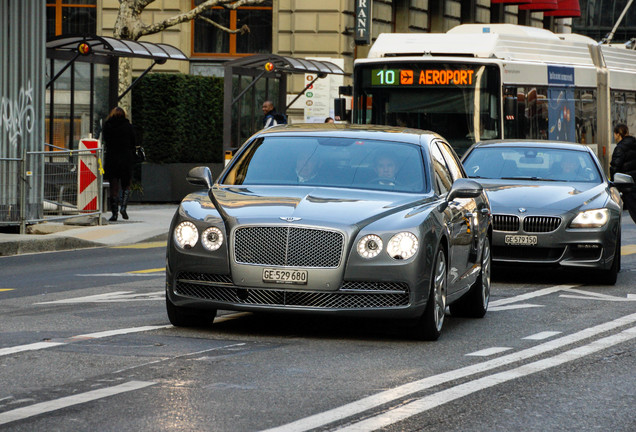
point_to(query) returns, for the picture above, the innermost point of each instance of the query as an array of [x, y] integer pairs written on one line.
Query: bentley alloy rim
[[440, 290]]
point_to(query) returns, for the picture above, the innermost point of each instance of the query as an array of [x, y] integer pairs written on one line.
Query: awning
[[108, 46], [567, 9], [286, 64], [540, 6]]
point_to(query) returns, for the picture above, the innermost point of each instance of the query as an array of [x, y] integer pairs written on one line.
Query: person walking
[[624, 161], [119, 159]]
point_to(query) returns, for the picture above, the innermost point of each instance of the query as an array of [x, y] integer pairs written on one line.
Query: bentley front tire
[[188, 317]]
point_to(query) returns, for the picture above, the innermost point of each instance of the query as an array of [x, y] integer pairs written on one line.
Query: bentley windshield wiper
[[527, 178]]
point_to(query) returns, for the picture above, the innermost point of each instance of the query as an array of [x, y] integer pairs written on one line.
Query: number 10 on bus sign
[[390, 77]]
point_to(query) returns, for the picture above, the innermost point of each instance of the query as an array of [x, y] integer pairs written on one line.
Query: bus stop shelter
[[249, 81]]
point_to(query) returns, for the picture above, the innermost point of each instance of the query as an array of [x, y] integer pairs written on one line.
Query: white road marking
[[56, 404], [28, 347], [512, 306], [542, 335], [113, 297], [388, 396], [533, 294], [44, 345], [587, 295], [489, 351], [434, 400]]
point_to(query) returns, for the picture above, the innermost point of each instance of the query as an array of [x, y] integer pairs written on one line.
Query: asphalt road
[[85, 344]]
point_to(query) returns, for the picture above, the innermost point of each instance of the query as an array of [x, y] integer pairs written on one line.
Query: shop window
[[71, 17], [209, 40]]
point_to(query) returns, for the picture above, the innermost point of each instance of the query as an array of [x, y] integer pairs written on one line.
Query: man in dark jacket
[[624, 161], [271, 117]]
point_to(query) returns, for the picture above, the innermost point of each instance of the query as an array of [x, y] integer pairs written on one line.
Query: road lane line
[[542, 335], [533, 294], [65, 402], [155, 270], [512, 307], [442, 397], [628, 249], [387, 396], [29, 347], [6, 289], [489, 351], [88, 336]]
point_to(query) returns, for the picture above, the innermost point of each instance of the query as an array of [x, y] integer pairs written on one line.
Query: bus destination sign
[[422, 77]]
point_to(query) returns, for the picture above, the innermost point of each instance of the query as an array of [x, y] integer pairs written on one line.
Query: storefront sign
[[363, 22]]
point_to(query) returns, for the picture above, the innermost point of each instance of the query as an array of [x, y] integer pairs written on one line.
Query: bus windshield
[[460, 101]]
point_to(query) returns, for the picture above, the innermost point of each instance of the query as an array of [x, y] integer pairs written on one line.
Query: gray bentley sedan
[[333, 219], [552, 204]]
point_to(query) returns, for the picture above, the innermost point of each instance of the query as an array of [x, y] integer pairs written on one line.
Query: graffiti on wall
[[16, 116]]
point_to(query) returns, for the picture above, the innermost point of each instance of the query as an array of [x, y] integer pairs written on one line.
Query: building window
[[209, 40], [70, 17]]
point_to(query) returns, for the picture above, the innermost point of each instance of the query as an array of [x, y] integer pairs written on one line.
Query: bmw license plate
[[521, 240], [285, 276]]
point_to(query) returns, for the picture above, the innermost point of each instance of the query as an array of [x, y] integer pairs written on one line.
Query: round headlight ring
[[403, 245], [212, 238], [370, 246], [186, 235], [591, 219]]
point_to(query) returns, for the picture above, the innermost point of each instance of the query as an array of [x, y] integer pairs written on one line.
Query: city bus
[[497, 81]]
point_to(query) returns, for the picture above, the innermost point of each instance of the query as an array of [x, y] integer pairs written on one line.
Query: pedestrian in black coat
[[624, 161], [119, 159]]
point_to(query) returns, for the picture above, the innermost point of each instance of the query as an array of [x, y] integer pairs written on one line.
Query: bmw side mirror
[[464, 188], [200, 176]]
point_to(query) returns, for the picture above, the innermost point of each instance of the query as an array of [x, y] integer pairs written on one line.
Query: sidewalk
[[148, 222]]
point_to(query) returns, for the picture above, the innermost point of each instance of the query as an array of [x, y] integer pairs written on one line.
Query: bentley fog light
[[590, 219], [186, 235], [212, 238], [370, 246], [402, 245]]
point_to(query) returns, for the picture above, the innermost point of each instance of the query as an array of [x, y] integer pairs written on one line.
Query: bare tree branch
[[244, 29], [190, 15]]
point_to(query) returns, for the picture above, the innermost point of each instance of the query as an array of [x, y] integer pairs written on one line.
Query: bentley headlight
[[186, 235], [590, 219], [402, 245], [212, 238], [370, 246]]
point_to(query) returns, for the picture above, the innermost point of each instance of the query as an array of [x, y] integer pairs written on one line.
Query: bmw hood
[[544, 197], [302, 205]]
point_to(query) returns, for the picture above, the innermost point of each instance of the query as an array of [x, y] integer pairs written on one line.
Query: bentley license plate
[[285, 276], [521, 240]]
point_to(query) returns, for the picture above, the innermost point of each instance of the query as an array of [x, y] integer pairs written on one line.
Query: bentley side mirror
[[200, 176], [464, 188]]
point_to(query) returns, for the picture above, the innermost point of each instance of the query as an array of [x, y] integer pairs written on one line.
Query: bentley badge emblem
[[290, 219]]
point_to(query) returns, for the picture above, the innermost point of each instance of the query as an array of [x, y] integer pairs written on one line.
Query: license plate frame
[[521, 240], [285, 276]]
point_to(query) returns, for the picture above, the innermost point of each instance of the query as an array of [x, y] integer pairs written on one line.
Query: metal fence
[[71, 182]]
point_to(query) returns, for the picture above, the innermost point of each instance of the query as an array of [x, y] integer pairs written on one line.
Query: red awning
[[540, 6], [511, 2], [567, 9]]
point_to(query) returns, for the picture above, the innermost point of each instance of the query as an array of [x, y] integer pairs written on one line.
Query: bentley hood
[[303, 205]]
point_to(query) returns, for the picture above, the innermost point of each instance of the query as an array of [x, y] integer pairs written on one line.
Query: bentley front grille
[[505, 222], [352, 295], [540, 224], [288, 246]]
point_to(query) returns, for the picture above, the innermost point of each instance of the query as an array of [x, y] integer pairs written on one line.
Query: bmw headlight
[[212, 238], [370, 246], [403, 245], [590, 219], [186, 235]]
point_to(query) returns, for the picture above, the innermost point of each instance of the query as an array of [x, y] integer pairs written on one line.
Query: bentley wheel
[[474, 303], [430, 324], [187, 317]]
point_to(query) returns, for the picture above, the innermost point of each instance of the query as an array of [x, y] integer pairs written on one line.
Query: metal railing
[[70, 184]]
